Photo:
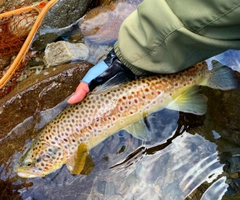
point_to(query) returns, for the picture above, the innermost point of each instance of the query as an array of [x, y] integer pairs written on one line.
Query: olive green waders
[[166, 36]]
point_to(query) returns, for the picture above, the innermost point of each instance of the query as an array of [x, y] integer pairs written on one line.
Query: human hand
[[98, 75]]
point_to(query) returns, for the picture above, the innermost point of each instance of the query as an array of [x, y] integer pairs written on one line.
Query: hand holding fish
[[98, 75]]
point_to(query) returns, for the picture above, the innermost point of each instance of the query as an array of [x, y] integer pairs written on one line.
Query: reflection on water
[[173, 164]]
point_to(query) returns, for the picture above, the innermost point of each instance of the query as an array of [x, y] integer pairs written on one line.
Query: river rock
[[58, 21], [38, 93], [101, 24], [61, 52]]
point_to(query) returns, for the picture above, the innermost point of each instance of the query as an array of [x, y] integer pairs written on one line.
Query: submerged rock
[[101, 24], [56, 22], [39, 92], [223, 113], [61, 52]]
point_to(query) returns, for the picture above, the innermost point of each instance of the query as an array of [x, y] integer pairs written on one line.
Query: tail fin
[[222, 77]]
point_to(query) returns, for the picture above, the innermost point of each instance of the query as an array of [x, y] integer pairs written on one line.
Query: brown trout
[[68, 138]]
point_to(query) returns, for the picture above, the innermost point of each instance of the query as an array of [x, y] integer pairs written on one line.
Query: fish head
[[40, 160]]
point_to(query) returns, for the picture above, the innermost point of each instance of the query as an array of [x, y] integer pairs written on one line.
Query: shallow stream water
[[186, 157]]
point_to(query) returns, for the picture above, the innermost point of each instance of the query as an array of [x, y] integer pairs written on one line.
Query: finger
[[79, 94]]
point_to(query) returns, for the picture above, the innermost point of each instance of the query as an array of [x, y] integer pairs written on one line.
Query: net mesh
[[13, 32], [17, 19]]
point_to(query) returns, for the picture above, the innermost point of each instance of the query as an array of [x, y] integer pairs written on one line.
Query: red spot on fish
[[121, 108], [131, 112], [190, 79], [176, 85], [136, 101], [158, 92]]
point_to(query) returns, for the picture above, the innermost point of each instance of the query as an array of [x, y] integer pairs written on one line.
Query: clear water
[[185, 158], [173, 164]]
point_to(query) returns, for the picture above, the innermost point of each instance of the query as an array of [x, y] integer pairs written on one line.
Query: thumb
[[79, 94]]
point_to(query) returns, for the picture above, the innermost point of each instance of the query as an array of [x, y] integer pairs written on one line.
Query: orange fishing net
[[18, 25]]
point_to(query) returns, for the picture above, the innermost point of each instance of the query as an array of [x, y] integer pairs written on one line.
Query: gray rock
[[59, 20], [61, 52]]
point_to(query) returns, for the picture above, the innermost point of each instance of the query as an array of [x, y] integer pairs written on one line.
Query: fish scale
[[104, 112]]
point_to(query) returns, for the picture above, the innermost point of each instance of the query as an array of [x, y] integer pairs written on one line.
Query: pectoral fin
[[89, 165], [77, 163], [190, 102]]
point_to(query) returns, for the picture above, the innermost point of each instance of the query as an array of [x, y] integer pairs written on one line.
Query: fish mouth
[[29, 174]]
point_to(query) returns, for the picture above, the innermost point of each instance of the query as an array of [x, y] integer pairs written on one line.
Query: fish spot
[[120, 108], [136, 101]]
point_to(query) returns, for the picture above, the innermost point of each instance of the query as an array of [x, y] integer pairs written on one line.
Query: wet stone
[[223, 112], [40, 92], [61, 52], [60, 16], [101, 24]]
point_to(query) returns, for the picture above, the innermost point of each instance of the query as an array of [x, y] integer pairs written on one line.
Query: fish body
[[80, 127]]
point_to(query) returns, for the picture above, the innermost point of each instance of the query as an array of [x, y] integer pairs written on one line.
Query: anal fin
[[138, 130]]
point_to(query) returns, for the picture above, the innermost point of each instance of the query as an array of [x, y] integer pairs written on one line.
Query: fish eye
[[28, 163]]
